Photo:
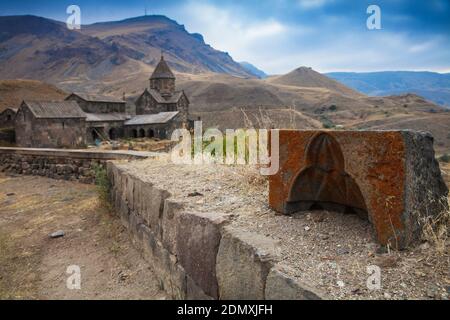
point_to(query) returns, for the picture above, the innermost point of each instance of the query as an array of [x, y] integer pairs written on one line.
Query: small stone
[[195, 194], [324, 236], [419, 274], [123, 276], [387, 296], [320, 217], [57, 234], [340, 283], [307, 228], [342, 251], [356, 291], [10, 194]]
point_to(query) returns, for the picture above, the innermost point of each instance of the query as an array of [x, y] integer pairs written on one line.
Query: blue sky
[[280, 35]]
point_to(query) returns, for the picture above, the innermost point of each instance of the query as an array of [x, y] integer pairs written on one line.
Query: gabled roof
[[55, 109], [158, 98], [162, 71], [106, 117], [96, 98], [10, 109], [158, 118]]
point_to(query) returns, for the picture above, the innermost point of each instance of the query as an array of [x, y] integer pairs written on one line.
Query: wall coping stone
[[80, 153]]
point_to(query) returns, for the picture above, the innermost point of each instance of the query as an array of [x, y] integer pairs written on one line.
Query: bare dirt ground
[[33, 266], [331, 251]]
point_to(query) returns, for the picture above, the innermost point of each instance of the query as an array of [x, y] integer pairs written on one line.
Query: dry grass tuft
[[435, 229]]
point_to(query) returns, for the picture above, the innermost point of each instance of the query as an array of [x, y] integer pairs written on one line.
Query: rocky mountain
[[41, 48], [253, 70], [431, 85], [151, 35]]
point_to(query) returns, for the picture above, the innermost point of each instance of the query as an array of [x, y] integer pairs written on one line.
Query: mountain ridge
[[45, 48], [431, 85]]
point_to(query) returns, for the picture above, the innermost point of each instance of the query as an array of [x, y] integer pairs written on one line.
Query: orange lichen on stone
[[362, 172]]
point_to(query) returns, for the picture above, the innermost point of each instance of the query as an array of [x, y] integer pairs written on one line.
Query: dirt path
[[33, 266]]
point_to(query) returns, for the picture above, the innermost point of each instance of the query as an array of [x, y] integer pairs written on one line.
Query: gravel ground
[[34, 266], [329, 250]]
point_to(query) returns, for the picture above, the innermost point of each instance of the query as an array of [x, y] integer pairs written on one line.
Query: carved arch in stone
[[323, 183]]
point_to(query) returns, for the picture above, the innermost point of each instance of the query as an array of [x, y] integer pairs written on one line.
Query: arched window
[[134, 133], [142, 133], [151, 133]]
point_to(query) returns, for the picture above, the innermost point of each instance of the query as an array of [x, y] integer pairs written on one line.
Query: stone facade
[[48, 132], [7, 117], [105, 118], [161, 96], [154, 130], [104, 129], [388, 177], [98, 104]]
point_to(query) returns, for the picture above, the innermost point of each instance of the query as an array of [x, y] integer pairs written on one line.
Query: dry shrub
[[435, 228]]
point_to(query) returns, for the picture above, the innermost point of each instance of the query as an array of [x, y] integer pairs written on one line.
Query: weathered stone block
[[389, 177], [279, 286], [169, 224], [152, 206], [170, 273], [129, 190], [243, 263], [124, 214], [197, 244], [135, 221]]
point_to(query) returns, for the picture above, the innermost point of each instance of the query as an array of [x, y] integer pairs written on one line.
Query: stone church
[[85, 119]]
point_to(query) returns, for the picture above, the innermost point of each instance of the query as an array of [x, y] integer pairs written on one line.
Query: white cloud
[[277, 47], [362, 52], [229, 30]]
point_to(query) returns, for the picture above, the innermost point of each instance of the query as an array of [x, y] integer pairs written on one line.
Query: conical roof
[[162, 70]]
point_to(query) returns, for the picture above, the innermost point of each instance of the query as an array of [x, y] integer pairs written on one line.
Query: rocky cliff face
[[43, 48]]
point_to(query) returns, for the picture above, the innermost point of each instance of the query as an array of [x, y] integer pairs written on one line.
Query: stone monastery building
[[83, 118]]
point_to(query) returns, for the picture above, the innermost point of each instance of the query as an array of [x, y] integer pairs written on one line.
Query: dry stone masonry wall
[[56, 164], [199, 255]]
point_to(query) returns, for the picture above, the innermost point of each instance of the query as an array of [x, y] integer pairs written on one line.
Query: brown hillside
[[308, 78], [12, 92]]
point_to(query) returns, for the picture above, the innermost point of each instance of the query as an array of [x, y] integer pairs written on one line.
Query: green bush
[[445, 158], [102, 182]]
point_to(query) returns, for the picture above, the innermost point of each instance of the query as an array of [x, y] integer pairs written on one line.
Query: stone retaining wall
[[199, 255], [74, 165]]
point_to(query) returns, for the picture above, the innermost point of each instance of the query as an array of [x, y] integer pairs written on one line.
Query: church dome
[[162, 71]]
